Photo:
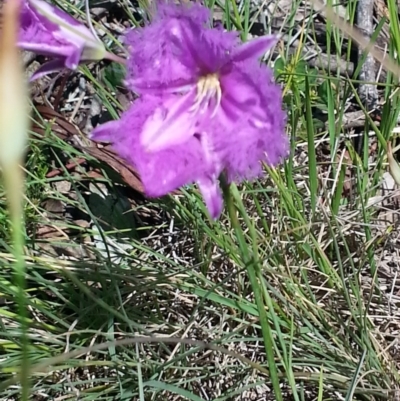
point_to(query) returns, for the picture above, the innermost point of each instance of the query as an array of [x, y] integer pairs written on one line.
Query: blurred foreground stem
[[14, 184], [14, 123], [250, 259]]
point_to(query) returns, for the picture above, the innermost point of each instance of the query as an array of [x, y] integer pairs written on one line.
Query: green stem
[[252, 266], [14, 181]]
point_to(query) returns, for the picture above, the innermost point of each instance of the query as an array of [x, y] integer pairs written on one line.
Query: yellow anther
[[208, 87]]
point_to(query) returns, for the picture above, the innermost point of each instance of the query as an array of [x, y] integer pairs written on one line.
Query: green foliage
[[287, 298], [113, 76]]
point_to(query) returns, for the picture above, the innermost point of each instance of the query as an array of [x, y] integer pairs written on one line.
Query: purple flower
[[207, 106], [49, 31]]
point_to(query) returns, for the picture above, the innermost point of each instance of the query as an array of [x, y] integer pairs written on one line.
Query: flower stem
[[114, 57], [250, 258], [13, 183]]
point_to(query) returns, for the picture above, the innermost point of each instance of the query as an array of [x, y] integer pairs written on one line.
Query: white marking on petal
[[258, 123], [170, 125]]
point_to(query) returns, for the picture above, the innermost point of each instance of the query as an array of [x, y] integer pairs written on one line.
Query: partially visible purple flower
[[211, 106], [49, 31]]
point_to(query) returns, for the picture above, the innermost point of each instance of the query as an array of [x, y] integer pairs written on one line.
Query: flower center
[[208, 89]]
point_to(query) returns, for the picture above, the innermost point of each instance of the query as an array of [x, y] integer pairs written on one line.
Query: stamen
[[208, 87]]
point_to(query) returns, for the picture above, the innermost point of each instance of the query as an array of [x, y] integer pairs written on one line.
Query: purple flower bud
[[49, 31]]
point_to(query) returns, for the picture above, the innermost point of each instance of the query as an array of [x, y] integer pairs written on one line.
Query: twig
[[390, 64], [368, 92]]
